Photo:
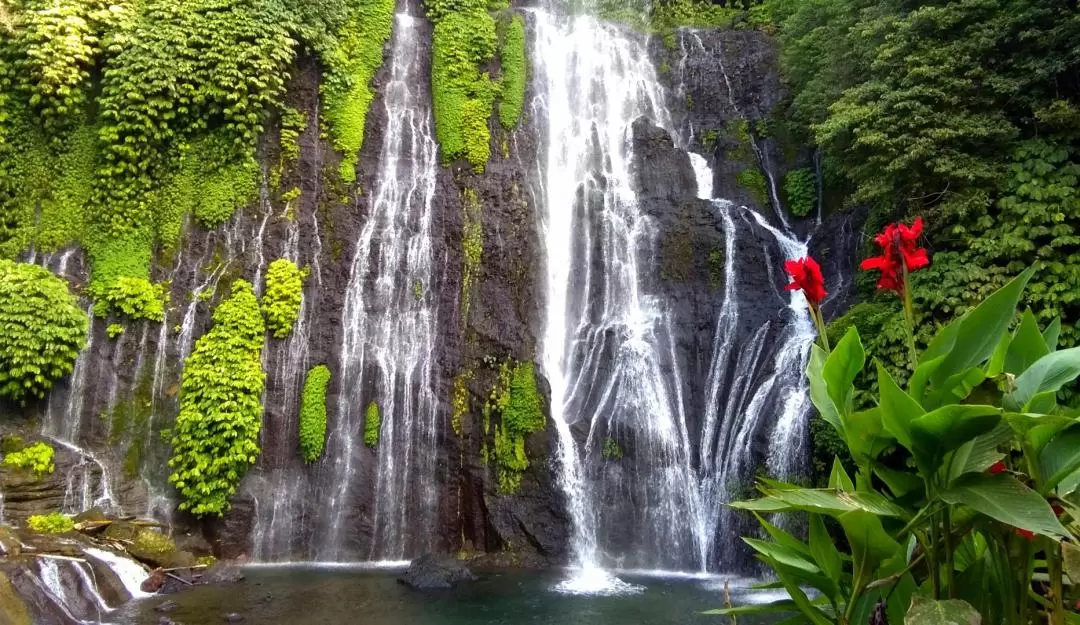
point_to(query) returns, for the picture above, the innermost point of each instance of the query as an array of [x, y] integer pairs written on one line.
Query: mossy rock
[[157, 549], [10, 545], [93, 515], [122, 531], [12, 609]]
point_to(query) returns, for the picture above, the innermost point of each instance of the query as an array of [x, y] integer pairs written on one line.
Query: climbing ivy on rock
[[514, 73], [282, 299], [216, 437], [800, 191], [372, 424], [37, 458], [42, 330], [520, 406], [313, 414]]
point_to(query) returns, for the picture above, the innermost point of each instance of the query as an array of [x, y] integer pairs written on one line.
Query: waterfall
[[130, 573], [607, 345], [389, 318]]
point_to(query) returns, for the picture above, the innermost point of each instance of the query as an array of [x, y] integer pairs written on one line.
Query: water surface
[[328, 596]]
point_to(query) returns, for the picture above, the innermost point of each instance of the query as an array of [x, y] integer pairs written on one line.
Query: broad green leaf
[[1024, 422], [997, 359], [926, 611], [1027, 345], [805, 606], [819, 389], [981, 329], [866, 436], [1005, 499], [943, 430], [1049, 373], [870, 544], [795, 565], [1045, 403], [955, 389], [832, 502], [784, 538], [901, 483], [1070, 560], [822, 548], [838, 478], [1051, 333], [921, 377], [784, 605], [1059, 458], [977, 455], [1068, 485], [844, 363], [898, 409]]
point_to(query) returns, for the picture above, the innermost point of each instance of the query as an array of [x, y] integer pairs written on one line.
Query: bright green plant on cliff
[[282, 299], [135, 298], [216, 437], [800, 191], [43, 330], [372, 424], [37, 458], [352, 64], [519, 404], [313, 414], [52, 523], [472, 244], [514, 73], [464, 40]]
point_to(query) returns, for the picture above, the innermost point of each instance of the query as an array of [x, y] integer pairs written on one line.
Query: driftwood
[[180, 579]]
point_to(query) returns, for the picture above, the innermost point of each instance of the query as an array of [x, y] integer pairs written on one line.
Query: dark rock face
[[432, 571]]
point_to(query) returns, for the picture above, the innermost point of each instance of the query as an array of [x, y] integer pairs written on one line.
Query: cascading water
[[607, 348], [389, 320]]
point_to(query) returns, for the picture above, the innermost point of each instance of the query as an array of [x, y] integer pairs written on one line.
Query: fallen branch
[[180, 579]]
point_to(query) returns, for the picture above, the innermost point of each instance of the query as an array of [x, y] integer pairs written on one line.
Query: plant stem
[[909, 317], [932, 548], [819, 321], [950, 581], [1053, 566]]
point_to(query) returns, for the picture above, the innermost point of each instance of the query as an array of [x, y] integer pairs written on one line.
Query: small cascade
[[130, 573], [607, 347], [69, 584], [388, 350]]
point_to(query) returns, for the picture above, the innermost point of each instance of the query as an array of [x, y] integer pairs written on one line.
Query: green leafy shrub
[[372, 424], [43, 330], [611, 450], [216, 437], [114, 330], [37, 458], [463, 40], [135, 298], [514, 73], [754, 181], [282, 299], [519, 403], [801, 191], [313, 414], [52, 523]]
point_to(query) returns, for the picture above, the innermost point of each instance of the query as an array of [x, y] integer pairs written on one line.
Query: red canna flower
[[806, 275], [998, 467], [1025, 534], [899, 249]]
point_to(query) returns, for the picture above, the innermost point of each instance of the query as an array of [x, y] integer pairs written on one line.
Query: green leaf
[[901, 483], [1003, 498], [1051, 333], [841, 367], [1070, 556], [870, 544], [824, 501], [838, 477], [819, 389], [926, 611], [1027, 346], [784, 605], [822, 548], [943, 430], [979, 331], [805, 606], [866, 436], [794, 564], [1059, 458], [898, 409], [1049, 373], [979, 454], [784, 538]]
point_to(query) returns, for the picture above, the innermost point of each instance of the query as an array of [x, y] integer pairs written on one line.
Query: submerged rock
[[233, 617], [223, 573], [436, 571], [166, 606]]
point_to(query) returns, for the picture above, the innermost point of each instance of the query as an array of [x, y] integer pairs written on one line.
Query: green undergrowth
[[42, 330], [282, 298], [216, 437], [313, 414], [351, 66], [514, 73], [517, 400], [36, 458], [52, 523], [800, 190], [463, 42], [372, 424]]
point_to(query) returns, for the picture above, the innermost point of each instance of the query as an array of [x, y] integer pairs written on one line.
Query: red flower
[[898, 245], [1025, 534], [1058, 510], [998, 467], [806, 275]]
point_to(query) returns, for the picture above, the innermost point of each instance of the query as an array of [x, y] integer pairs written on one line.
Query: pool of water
[[298, 595]]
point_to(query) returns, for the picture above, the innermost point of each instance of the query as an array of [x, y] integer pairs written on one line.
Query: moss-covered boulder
[[149, 546], [12, 609]]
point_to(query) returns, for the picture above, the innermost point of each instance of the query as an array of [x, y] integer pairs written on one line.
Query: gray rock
[[223, 573], [233, 617], [436, 571], [166, 606]]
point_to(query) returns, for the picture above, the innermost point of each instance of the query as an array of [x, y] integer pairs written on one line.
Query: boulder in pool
[[436, 571]]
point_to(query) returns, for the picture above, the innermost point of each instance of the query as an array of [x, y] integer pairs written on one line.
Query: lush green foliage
[[313, 414], [964, 513], [372, 424], [463, 41], [514, 73], [611, 450], [472, 246], [216, 437], [911, 117], [352, 64], [52, 523], [800, 191], [136, 298], [37, 458], [281, 301], [518, 401], [43, 330]]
